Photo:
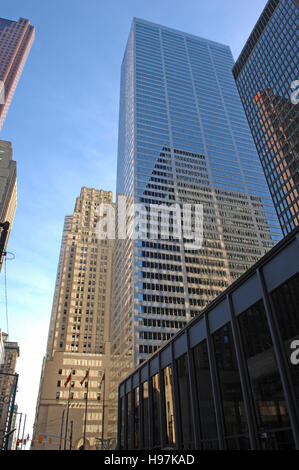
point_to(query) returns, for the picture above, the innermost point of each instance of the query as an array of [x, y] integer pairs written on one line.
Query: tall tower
[[266, 74], [183, 139], [16, 39], [78, 337]]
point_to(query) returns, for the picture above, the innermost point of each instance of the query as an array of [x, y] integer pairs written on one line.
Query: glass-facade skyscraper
[[183, 139], [16, 39], [266, 73]]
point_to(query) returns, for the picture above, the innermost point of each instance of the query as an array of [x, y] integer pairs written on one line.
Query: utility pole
[[71, 435], [61, 428], [103, 380], [67, 411], [20, 420], [23, 431], [84, 434]]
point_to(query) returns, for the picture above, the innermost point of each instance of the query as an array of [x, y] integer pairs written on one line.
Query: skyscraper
[[78, 338], [8, 188], [16, 39], [183, 140], [266, 73]]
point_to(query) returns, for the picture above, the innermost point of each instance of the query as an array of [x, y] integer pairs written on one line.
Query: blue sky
[[63, 125]]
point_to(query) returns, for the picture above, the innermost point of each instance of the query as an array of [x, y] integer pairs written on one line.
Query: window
[[184, 403], [136, 418], [169, 407], [236, 433], [129, 417], [145, 410], [122, 423], [271, 410], [207, 418], [156, 411], [285, 304]]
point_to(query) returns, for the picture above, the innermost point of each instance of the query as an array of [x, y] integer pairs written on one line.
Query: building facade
[[16, 39], [8, 188], [8, 388], [266, 74], [230, 379], [69, 413], [184, 142]]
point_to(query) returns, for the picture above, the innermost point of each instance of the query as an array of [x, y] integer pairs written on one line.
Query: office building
[[8, 188], [70, 414], [266, 73], [184, 141], [16, 39], [230, 379], [8, 388]]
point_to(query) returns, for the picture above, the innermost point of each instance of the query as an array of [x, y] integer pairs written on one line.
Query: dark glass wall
[[264, 73], [136, 418], [236, 388], [187, 440], [156, 411], [236, 430], [270, 404], [169, 407], [285, 304], [145, 420], [207, 418]]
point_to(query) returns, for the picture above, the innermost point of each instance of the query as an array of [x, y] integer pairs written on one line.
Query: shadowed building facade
[[229, 380]]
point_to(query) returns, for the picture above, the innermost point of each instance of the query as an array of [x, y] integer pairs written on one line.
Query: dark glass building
[[265, 74], [230, 378]]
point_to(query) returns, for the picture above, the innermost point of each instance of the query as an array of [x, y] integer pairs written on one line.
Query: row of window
[[205, 388]]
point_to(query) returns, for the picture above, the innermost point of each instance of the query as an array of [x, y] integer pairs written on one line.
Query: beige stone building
[[8, 186], [79, 337]]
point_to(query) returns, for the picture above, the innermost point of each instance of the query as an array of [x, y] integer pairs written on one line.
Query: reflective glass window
[[207, 418], [285, 303], [236, 431], [169, 407], [271, 411], [156, 411], [184, 403]]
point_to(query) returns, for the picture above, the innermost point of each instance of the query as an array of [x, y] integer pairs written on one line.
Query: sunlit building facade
[[183, 140], [78, 339], [266, 73]]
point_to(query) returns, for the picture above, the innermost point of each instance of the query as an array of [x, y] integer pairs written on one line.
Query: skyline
[[29, 133]]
